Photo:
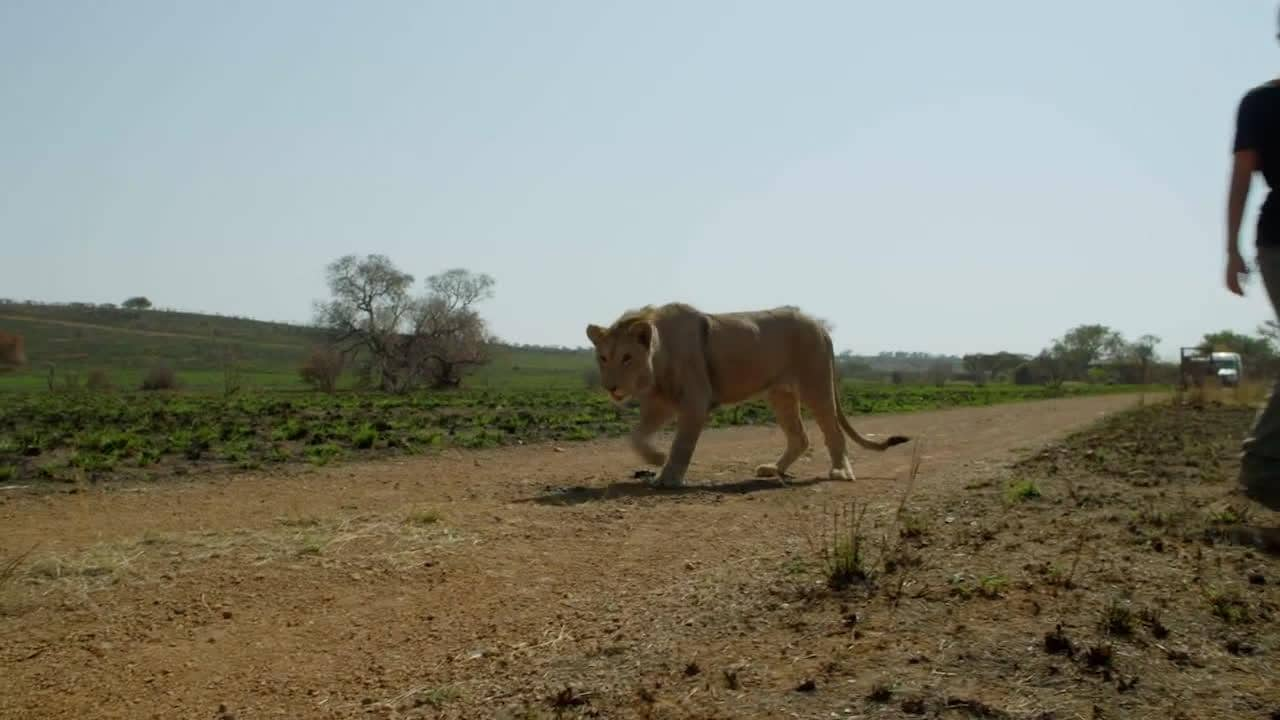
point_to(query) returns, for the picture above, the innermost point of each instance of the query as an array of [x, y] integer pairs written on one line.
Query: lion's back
[[744, 350], [752, 350]]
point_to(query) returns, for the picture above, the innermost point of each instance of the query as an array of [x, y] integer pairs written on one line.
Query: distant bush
[[364, 438], [322, 369], [71, 381], [160, 378], [1024, 375], [98, 381], [940, 372], [1099, 375]]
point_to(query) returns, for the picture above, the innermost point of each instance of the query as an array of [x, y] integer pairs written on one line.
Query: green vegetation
[[992, 586], [1230, 606], [84, 435], [1023, 491]]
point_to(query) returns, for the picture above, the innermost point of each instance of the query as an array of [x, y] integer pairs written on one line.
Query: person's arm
[[1244, 164]]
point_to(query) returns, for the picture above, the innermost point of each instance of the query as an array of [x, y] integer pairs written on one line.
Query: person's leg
[[1260, 461]]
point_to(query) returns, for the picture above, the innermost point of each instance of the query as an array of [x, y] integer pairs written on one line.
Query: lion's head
[[624, 354]]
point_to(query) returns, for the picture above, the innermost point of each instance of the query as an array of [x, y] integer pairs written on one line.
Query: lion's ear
[[595, 333], [642, 331]]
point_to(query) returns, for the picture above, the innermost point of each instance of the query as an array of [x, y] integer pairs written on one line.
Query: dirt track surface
[[448, 586]]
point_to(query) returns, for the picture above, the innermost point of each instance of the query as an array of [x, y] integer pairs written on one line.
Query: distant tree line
[[1097, 353], [1086, 353]]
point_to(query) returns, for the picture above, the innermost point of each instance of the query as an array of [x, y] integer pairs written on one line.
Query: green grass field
[[81, 436]]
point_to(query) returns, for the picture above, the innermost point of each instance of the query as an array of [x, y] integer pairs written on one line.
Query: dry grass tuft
[[423, 517], [79, 574], [844, 538], [844, 555]]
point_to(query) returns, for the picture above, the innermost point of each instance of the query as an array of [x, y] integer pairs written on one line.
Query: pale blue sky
[[934, 176]]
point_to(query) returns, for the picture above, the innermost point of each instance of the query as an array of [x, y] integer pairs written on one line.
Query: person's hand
[[1236, 269]]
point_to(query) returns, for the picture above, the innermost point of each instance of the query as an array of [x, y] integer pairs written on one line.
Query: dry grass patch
[[367, 540]]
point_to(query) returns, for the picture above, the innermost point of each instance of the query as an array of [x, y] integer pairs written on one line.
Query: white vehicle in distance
[[1228, 366], [1197, 366]]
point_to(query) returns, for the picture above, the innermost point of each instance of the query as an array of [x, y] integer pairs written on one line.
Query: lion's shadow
[[580, 494]]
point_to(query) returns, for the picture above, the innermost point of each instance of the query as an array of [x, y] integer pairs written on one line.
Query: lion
[[677, 361]]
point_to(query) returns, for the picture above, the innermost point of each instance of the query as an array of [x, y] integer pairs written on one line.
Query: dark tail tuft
[[897, 440]]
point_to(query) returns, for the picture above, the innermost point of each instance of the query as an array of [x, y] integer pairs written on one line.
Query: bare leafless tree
[[406, 341], [448, 336], [366, 311]]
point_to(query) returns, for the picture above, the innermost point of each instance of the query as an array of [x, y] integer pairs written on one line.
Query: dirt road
[[447, 586]]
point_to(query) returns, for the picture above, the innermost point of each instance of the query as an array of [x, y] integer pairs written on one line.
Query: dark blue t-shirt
[[1258, 129]]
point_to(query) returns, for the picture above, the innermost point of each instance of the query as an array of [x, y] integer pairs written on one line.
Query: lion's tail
[[844, 421], [864, 442]]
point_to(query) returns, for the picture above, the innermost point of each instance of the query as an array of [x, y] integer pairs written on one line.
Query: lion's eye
[[626, 359], [604, 359]]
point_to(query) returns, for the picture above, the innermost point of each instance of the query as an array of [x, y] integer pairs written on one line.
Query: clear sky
[[932, 176]]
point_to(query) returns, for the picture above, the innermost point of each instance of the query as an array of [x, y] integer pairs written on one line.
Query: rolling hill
[[74, 339]]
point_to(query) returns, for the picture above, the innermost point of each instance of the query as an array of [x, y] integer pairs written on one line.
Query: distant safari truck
[[1198, 366]]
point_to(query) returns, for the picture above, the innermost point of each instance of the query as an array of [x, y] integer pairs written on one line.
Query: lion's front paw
[[670, 478], [841, 474]]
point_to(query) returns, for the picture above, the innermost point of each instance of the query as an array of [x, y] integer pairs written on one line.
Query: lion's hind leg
[[822, 404], [786, 408]]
